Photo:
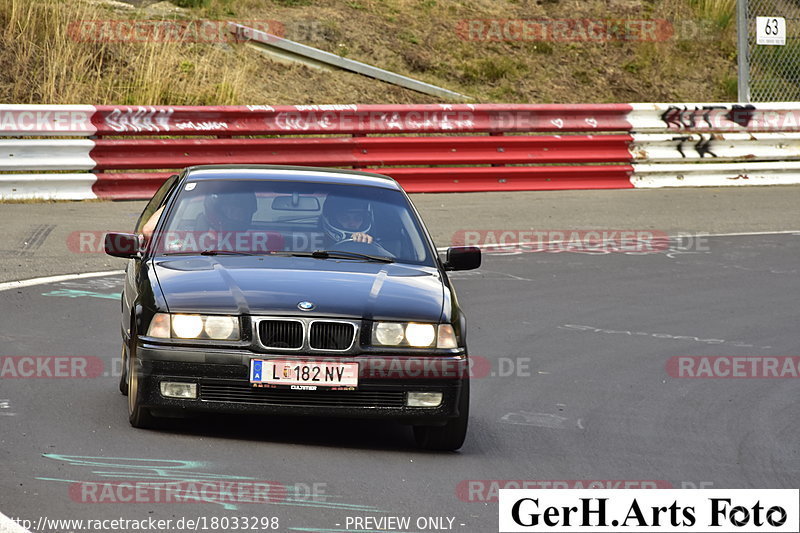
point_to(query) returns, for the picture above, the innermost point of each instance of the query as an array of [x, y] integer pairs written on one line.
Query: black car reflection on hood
[[250, 285]]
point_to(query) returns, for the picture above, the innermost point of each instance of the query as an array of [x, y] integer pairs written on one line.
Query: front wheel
[[450, 436], [123, 378], [138, 416]]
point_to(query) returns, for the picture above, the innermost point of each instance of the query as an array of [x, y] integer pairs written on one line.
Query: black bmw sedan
[[292, 290]]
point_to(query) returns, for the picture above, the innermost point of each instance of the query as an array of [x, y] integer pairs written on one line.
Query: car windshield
[[227, 216]]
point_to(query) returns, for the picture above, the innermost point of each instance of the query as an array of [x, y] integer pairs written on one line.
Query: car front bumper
[[223, 385]]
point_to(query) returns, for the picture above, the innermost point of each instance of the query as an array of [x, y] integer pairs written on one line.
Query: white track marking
[[8, 285], [9, 526], [682, 236], [75, 186]]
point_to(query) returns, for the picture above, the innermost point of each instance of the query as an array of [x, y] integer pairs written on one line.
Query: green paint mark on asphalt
[[74, 293], [161, 471], [159, 466]]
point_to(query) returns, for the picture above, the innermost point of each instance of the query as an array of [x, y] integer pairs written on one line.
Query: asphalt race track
[[571, 384]]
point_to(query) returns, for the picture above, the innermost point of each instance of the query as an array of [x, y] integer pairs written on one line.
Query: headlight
[[414, 334], [389, 333], [223, 328], [420, 334], [187, 326]]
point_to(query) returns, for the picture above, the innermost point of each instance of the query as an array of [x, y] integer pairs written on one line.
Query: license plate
[[321, 374]]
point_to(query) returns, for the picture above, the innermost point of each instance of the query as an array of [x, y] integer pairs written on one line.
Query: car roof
[[292, 173]]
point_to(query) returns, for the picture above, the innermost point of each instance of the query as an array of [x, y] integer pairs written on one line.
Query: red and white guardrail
[[126, 152]]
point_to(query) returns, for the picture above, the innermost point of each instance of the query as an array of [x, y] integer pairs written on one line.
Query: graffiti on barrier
[[138, 119], [702, 145], [712, 116]]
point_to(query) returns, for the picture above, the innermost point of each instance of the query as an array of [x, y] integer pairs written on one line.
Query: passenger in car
[[227, 211], [150, 226], [223, 212]]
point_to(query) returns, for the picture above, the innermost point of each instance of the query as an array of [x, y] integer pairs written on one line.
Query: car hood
[[276, 284]]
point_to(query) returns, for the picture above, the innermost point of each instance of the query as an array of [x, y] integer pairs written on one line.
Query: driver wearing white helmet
[[347, 219]]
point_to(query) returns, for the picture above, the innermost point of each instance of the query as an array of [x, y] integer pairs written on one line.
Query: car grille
[[243, 392], [296, 333], [281, 333], [331, 335]]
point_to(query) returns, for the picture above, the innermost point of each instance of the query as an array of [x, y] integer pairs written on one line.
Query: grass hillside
[[43, 59]]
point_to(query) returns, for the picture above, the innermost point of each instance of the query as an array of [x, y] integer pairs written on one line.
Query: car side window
[[155, 202]]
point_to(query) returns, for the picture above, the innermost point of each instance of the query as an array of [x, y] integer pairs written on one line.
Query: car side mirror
[[463, 258], [126, 245]]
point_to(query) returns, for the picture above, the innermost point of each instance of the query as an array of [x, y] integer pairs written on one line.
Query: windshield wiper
[[340, 254], [316, 254], [209, 252], [223, 252]]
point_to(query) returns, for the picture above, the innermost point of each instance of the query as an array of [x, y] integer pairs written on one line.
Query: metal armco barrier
[[358, 119], [118, 152], [361, 151]]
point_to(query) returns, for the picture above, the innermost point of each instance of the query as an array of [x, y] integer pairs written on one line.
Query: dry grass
[[43, 62], [40, 63], [721, 12]]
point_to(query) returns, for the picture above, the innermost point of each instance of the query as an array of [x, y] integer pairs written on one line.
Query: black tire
[[451, 436], [123, 378], [138, 416]]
